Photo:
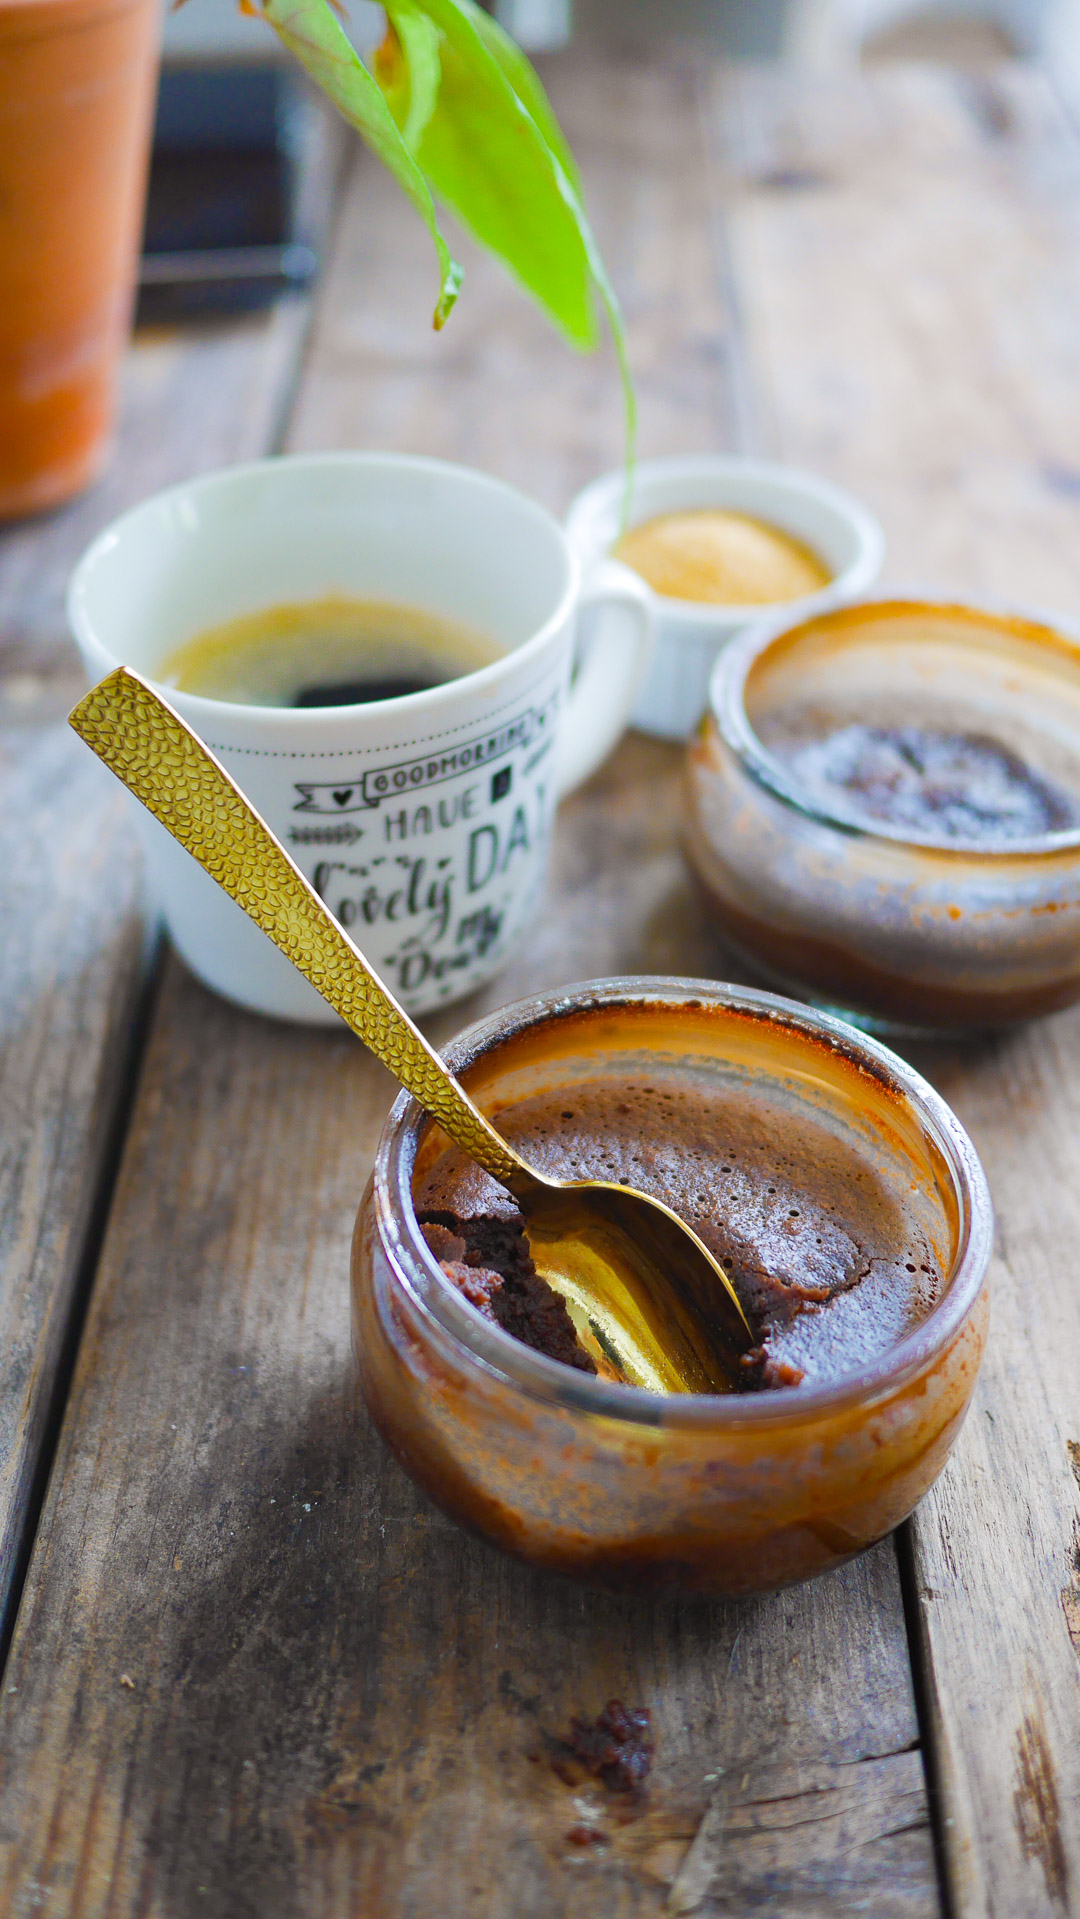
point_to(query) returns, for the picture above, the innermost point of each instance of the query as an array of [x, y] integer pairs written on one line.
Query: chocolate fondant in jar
[[853, 1213], [884, 812], [831, 1268]]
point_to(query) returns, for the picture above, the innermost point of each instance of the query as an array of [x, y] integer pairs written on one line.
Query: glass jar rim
[[476, 1342], [727, 706]]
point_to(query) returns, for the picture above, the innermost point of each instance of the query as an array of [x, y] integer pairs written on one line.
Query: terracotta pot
[[76, 99]]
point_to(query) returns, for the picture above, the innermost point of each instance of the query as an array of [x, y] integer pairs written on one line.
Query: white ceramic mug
[[690, 634], [423, 821]]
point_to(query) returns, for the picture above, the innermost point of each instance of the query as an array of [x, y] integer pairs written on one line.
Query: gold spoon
[[646, 1296]]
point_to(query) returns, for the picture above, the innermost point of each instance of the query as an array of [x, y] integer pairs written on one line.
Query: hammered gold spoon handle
[[155, 753], [639, 1283]]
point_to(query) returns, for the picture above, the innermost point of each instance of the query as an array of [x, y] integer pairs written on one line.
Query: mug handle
[[611, 666]]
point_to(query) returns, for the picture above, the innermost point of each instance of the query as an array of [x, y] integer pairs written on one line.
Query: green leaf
[[419, 72], [310, 31], [525, 81], [455, 103], [485, 156]]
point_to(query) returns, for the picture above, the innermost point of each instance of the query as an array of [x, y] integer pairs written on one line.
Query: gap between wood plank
[[127, 1083], [194, 396], [922, 1680], [909, 254]]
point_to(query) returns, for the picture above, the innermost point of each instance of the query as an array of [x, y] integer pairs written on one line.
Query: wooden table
[[252, 1671]]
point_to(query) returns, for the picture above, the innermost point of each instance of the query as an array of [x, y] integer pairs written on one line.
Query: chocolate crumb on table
[[583, 1835], [616, 1748]]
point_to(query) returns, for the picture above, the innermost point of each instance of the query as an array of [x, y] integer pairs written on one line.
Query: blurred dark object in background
[[224, 220]]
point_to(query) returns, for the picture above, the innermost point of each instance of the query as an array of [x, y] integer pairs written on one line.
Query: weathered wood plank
[[496, 388], [338, 1703], [73, 937], [71, 958], [997, 1549], [194, 398], [908, 254], [858, 1832]]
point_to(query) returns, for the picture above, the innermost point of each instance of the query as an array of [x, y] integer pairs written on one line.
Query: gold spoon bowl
[[642, 1288]]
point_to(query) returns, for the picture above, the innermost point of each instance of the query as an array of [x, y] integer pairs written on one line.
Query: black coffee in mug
[[333, 651]]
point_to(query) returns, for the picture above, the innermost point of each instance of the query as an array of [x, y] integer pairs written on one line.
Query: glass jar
[[900, 931], [627, 1488]]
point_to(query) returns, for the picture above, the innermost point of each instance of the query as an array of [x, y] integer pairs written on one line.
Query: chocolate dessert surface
[[488, 1259], [829, 1269], [939, 784]]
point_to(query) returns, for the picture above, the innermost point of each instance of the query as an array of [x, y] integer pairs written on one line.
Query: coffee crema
[[721, 558], [333, 651]]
